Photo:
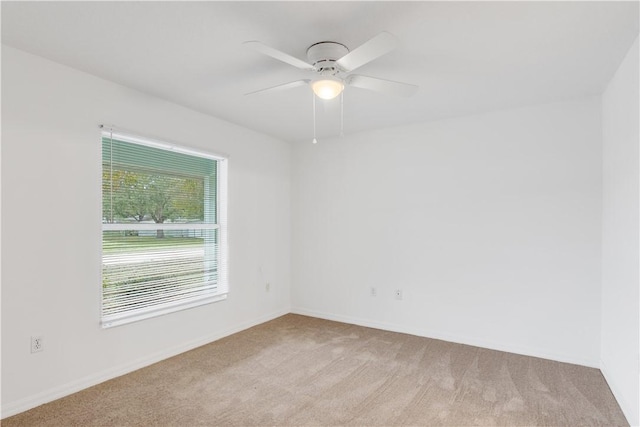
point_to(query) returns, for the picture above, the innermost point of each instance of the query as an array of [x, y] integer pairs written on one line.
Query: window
[[163, 228]]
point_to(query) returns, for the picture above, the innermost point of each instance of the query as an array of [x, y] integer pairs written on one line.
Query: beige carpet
[[298, 370]]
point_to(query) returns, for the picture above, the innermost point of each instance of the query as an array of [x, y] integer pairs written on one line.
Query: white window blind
[[163, 228]]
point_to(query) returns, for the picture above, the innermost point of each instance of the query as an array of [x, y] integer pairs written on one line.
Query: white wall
[[490, 225], [52, 230], [620, 348]]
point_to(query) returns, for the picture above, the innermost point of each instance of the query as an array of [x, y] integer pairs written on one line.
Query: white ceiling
[[466, 56]]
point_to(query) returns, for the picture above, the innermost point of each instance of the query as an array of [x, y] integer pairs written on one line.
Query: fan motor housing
[[323, 56]]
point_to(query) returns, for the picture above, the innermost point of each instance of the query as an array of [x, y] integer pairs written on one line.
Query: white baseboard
[[448, 337], [624, 404], [13, 408]]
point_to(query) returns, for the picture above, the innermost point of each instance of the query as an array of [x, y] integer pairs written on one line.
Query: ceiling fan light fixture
[[327, 87]]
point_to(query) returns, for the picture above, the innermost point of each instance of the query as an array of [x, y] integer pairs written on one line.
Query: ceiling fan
[[332, 62]]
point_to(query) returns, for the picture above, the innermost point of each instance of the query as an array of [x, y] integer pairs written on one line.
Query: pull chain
[[342, 114], [315, 141]]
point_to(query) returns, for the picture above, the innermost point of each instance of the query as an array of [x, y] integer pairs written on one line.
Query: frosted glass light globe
[[327, 88]]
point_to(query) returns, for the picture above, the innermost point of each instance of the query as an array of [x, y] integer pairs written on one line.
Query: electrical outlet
[[398, 293], [267, 287], [37, 344], [373, 291]]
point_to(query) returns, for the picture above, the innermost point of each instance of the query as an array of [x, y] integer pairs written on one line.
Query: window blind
[[163, 228]]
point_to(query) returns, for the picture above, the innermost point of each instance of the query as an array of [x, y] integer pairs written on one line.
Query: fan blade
[[367, 52], [283, 86], [279, 55], [381, 85]]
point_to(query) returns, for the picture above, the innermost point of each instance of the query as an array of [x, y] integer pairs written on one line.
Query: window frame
[[220, 226]]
